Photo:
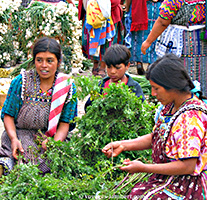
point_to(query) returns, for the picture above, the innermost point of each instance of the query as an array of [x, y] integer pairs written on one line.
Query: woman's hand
[[16, 146], [145, 46], [44, 144], [113, 149], [133, 166], [123, 7]]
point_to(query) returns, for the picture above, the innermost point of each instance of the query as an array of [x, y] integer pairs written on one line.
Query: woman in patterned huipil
[[178, 140], [28, 109], [179, 29]]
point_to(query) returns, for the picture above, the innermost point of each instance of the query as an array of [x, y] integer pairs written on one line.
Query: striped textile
[[60, 92], [204, 183], [169, 9], [99, 36], [194, 56]]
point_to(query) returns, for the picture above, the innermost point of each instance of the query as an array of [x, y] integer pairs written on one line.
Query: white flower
[[28, 34], [4, 54], [29, 44], [16, 44]]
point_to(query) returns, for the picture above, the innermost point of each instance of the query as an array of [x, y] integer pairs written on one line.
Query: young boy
[[117, 60]]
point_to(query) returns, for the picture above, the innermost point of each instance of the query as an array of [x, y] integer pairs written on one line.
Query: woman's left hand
[[44, 144], [133, 166]]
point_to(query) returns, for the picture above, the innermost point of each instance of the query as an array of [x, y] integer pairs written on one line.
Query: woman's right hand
[[113, 149], [16, 147], [145, 46]]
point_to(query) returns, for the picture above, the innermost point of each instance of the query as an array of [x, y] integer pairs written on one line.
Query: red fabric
[[81, 10], [139, 15], [116, 11], [59, 95], [106, 85]]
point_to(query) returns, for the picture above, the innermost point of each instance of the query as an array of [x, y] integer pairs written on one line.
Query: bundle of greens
[[79, 170]]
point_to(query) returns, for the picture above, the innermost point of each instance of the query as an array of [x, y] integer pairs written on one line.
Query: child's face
[[117, 73]]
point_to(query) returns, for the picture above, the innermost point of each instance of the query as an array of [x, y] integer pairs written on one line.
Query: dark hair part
[[45, 44], [117, 54], [170, 73]]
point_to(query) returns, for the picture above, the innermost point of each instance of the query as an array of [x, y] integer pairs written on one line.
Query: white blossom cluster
[[59, 21], [7, 7], [13, 5], [3, 28], [52, 25]]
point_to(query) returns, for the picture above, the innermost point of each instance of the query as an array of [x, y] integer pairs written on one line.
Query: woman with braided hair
[[178, 139], [38, 101]]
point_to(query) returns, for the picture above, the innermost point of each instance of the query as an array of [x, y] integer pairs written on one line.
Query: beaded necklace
[[47, 93], [40, 95]]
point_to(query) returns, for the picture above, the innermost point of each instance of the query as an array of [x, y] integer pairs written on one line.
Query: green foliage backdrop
[[78, 168]]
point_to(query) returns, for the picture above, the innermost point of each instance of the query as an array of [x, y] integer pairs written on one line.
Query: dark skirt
[[171, 187]]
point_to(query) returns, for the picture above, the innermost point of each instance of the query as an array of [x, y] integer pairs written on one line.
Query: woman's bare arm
[[159, 26]]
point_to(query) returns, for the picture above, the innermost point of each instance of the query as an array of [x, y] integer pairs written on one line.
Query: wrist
[[149, 42], [13, 139], [122, 146]]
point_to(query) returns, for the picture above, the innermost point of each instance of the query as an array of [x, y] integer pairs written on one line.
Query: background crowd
[[150, 29], [171, 37]]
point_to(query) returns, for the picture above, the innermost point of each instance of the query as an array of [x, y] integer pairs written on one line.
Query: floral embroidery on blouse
[[188, 135]]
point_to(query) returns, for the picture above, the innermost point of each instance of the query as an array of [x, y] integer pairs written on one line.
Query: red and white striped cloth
[[62, 86]]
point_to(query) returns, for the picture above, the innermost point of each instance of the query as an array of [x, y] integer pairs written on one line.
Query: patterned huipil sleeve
[[13, 101], [188, 139], [169, 9]]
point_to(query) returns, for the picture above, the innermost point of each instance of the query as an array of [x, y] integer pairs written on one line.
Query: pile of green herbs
[[79, 170]]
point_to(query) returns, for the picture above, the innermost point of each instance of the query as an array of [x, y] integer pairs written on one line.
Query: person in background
[[40, 100], [140, 17], [117, 61], [116, 35], [178, 139], [180, 29]]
